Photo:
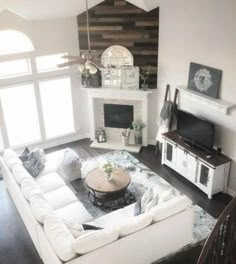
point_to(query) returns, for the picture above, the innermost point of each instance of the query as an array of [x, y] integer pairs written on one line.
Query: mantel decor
[[138, 126], [204, 79]]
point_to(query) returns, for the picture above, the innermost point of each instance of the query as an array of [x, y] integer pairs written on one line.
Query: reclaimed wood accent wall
[[117, 22]]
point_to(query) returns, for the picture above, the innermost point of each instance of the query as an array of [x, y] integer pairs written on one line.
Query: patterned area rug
[[142, 178]]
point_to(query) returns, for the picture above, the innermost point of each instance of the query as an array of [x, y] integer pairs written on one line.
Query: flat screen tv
[[195, 130]]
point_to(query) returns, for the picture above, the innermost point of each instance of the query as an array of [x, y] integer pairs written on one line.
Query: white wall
[[203, 32], [52, 37]]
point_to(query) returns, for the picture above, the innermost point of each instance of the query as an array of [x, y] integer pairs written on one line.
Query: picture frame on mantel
[[204, 79], [130, 78]]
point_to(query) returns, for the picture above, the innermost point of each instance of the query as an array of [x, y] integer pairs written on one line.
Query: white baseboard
[[231, 192]]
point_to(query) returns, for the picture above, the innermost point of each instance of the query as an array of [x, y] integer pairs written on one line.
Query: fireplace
[[118, 116]]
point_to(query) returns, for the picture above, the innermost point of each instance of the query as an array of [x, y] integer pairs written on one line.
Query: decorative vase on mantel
[[138, 125], [138, 137]]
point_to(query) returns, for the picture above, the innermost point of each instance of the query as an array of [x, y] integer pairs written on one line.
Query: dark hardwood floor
[[16, 246]]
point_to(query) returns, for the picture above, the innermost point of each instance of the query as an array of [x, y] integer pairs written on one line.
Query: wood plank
[[109, 43], [146, 23], [120, 3], [100, 28], [118, 11], [125, 36]]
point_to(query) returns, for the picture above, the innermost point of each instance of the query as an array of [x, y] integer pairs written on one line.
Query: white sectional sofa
[[48, 209]]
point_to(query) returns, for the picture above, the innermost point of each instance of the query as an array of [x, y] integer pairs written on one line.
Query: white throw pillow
[[95, 239], [152, 203], [169, 208], [30, 188], [20, 173], [59, 237], [134, 224], [146, 199], [69, 165], [166, 195], [40, 208], [11, 159]]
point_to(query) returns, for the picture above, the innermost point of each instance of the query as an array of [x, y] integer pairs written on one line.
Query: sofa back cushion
[[169, 208], [59, 237], [95, 239], [30, 189], [20, 173], [40, 208], [134, 224], [11, 159]]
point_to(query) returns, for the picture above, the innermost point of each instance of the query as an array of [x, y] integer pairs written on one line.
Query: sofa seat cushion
[[20, 173], [169, 208], [134, 224], [30, 189], [74, 213], [49, 182], [40, 208], [59, 237], [95, 239], [60, 197]]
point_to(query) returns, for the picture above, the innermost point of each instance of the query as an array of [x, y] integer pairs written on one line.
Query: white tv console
[[208, 174]]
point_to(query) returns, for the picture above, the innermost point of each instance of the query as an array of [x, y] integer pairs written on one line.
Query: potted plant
[[138, 125], [108, 167], [144, 75]]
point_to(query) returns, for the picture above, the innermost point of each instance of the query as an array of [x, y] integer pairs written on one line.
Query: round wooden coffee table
[[102, 190]]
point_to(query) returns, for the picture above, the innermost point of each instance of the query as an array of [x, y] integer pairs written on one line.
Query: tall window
[[13, 42], [34, 109], [57, 107], [20, 114]]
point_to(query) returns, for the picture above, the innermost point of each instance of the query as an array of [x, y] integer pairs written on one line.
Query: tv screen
[[118, 116], [198, 131]]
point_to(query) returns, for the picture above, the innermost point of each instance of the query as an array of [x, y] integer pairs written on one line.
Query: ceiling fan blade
[[69, 57], [97, 64], [66, 64]]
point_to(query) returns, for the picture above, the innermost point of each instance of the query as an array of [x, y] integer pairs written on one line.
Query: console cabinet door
[[205, 177], [192, 164], [169, 154], [181, 161]]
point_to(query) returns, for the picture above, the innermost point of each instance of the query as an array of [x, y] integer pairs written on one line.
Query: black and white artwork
[[204, 79]]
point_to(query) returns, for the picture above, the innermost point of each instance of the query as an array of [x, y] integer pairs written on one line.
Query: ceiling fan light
[[88, 65], [93, 70], [80, 68]]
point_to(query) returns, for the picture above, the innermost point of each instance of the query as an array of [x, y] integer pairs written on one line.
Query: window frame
[[36, 77]]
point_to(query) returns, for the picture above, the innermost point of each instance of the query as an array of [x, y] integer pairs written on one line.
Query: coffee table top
[[96, 180]]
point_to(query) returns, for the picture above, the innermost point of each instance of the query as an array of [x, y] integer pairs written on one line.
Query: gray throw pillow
[[33, 165], [24, 156]]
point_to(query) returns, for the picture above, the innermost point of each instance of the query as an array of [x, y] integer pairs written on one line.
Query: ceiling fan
[[88, 63]]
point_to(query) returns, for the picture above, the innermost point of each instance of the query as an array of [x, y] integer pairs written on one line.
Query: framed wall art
[[204, 79]]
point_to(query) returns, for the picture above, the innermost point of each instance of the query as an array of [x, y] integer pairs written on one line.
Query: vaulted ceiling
[[50, 9]]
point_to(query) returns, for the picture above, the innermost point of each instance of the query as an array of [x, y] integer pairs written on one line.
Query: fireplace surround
[[137, 99]]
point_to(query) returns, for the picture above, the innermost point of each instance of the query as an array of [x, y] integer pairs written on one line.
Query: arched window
[[12, 42]]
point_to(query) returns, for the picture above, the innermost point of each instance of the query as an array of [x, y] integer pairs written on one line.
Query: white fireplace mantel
[[117, 94]]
